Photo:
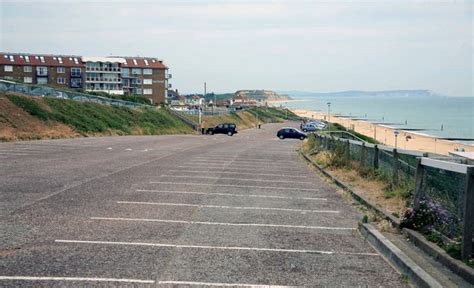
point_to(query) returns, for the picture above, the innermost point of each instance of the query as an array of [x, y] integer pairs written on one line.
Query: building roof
[[144, 62], [104, 59], [40, 59]]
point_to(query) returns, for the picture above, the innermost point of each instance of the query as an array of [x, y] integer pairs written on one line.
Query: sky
[[279, 45]]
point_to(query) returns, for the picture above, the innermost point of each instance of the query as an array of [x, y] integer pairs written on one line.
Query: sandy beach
[[385, 135]]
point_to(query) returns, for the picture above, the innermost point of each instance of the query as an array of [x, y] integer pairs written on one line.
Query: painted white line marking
[[242, 164], [230, 185], [33, 278], [226, 207], [238, 179], [214, 247], [109, 148], [221, 284], [221, 168], [243, 159], [231, 194], [14, 153], [128, 149], [223, 223], [200, 171]]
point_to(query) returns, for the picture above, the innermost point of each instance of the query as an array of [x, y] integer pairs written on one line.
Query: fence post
[[363, 151], [468, 215], [348, 150], [418, 193], [376, 156], [396, 167]]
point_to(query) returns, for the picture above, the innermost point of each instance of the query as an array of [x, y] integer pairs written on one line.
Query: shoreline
[[408, 140]]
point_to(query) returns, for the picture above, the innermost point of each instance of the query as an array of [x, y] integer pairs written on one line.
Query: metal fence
[[42, 91], [393, 163], [441, 185]]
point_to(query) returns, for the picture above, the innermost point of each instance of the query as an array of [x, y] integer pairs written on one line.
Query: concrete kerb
[[396, 256], [359, 198], [440, 255], [429, 248]]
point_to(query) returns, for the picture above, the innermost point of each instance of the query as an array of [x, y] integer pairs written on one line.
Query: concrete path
[[166, 211]]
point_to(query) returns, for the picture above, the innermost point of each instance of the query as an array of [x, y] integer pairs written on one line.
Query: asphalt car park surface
[[177, 211]]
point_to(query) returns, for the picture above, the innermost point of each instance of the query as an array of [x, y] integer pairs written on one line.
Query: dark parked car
[[291, 133], [224, 128]]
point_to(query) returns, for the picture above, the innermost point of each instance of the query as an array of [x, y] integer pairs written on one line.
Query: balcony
[[168, 76], [103, 69], [103, 80]]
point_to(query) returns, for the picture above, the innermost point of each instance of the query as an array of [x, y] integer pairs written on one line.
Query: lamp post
[[329, 114], [396, 132]]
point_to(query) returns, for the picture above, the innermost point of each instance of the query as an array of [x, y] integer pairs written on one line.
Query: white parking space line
[[227, 207], [252, 160], [34, 278], [230, 194], [246, 164], [230, 178], [223, 223], [201, 171], [248, 167], [236, 168], [14, 153], [211, 284], [231, 185], [214, 247]]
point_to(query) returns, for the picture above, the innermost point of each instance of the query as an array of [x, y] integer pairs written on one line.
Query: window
[[41, 71], [147, 91], [42, 80], [8, 68], [76, 72], [42, 59], [146, 62], [76, 82], [61, 81], [125, 72], [136, 71], [27, 69], [27, 59], [27, 79], [138, 91], [61, 70], [147, 71], [147, 81]]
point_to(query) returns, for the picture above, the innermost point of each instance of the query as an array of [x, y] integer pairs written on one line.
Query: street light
[[396, 132]]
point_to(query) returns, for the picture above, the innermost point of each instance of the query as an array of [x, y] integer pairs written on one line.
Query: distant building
[[103, 74], [144, 76], [62, 71]]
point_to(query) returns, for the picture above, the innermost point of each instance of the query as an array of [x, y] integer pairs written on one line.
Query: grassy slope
[[95, 119], [247, 119]]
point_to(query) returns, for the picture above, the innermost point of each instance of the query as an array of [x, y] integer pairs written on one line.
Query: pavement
[[177, 211]]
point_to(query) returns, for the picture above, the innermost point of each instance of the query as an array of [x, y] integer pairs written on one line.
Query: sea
[[439, 116]]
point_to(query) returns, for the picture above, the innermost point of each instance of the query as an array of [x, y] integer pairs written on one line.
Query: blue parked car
[[288, 132]]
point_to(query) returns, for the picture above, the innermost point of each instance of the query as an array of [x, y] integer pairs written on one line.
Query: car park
[[223, 128], [288, 132]]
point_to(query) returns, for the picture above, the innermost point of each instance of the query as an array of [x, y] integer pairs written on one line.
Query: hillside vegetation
[[247, 118], [25, 118], [28, 118]]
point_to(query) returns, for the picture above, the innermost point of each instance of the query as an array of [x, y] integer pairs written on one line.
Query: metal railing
[[440, 184], [42, 91]]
